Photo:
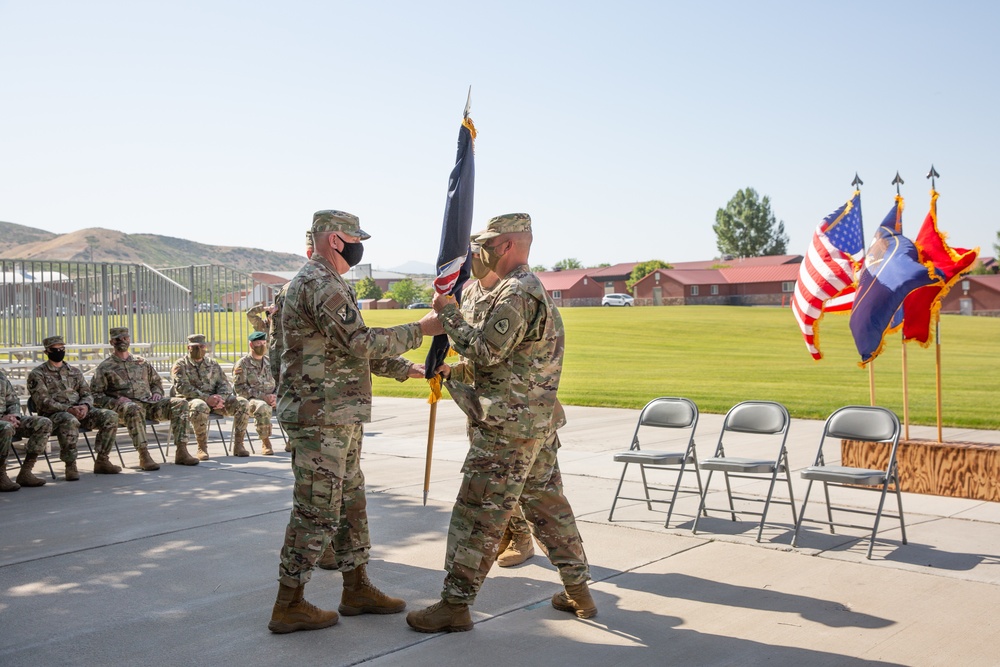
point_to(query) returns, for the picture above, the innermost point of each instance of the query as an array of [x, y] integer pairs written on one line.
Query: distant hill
[[105, 245]]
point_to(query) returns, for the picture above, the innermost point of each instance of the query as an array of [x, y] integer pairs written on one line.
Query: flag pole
[[453, 264], [906, 392], [933, 175]]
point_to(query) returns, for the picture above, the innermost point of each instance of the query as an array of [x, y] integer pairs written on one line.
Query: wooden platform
[[956, 469]]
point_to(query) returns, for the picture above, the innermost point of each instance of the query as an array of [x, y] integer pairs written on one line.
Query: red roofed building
[[572, 287], [974, 295], [760, 285]]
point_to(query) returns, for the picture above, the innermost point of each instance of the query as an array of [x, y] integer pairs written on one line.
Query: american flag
[[826, 281]]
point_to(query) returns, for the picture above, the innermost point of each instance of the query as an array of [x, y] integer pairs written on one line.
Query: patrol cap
[[118, 332], [197, 339], [505, 224], [256, 335], [309, 239], [338, 221], [53, 340]]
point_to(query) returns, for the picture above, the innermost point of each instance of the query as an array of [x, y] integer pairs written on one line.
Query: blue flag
[[454, 259], [892, 270]]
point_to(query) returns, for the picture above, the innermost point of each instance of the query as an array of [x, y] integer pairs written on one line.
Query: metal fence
[[81, 301]]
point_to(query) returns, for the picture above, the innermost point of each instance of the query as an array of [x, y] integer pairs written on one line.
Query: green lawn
[[718, 356]]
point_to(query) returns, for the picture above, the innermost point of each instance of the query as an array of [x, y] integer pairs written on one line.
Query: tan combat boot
[[265, 446], [104, 466], [327, 559], [26, 477], [181, 456], [505, 540], [238, 448], [362, 597], [441, 617], [519, 550], [576, 599], [72, 474], [202, 447], [292, 613], [288, 446], [146, 461], [6, 483]]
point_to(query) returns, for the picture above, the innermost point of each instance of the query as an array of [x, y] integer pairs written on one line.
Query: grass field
[[718, 356]]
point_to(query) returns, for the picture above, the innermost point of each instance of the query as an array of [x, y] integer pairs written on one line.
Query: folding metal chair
[[661, 413], [45, 452], [763, 422], [866, 424]]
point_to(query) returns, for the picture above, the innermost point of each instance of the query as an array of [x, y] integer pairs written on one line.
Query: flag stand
[[430, 449]]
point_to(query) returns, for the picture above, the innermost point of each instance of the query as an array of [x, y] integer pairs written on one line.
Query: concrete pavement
[[178, 567]]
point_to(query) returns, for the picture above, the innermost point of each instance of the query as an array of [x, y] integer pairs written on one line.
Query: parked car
[[209, 308], [617, 300], [419, 304]]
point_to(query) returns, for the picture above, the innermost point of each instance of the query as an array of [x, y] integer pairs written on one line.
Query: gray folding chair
[[661, 413], [762, 422], [866, 424]]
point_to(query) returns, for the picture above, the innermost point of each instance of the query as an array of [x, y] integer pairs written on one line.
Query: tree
[[996, 246], [643, 269], [368, 289], [566, 264], [405, 292], [747, 228], [538, 268]]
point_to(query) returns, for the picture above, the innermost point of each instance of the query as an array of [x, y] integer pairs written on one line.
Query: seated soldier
[[200, 379], [60, 393], [253, 381], [129, 385], [35, 429]]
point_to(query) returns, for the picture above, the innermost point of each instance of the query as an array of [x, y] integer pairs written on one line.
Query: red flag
[[921, 306]]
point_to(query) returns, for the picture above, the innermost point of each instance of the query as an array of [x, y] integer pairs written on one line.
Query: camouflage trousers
[[235, 407], [261, 413], [135, 413], [498, 471], [35, 429], [66, 428], [328, 501]]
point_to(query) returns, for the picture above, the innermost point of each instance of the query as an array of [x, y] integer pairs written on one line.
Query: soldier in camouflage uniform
[[203, 383], [59, 392], [129, 385], [516, 545], [516, 354], [252, 380], [324, 398], [12, 423]]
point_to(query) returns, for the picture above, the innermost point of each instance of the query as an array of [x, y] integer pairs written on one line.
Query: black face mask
[[56, 355], [352, 252]]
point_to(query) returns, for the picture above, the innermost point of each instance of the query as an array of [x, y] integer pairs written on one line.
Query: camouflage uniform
[[274, 336], [516, 354], [35, 429], [324, 397], [56, 390], [256, 318], [252, 381], [137, 380], [198, 380]]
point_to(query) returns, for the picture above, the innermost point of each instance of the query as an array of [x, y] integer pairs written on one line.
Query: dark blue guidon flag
[[454, 259], [892, 270]]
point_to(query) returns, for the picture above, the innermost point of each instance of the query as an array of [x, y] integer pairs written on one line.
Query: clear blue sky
[[621, 127]]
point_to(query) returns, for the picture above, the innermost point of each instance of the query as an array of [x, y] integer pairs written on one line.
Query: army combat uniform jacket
[[199, 379], [58, 389], [252, 378], [133, 378], [328, 353]]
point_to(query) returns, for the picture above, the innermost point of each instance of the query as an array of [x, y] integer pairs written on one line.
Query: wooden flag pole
[[871, 382], [430, 450], [906, 396], [937, 374]]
